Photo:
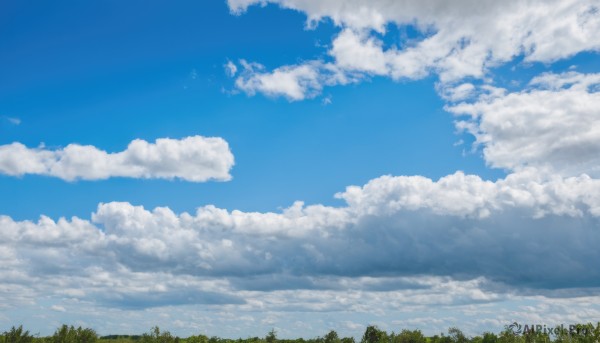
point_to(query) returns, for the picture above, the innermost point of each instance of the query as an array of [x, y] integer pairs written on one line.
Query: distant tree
[[585, 333], [331, 337], [156, 336], [63, 334], [408, 336], [374, 335], [271, 336], [440, 339], [197, 339], [70, 334], [348, 340], [536, 337], [489, 337], [457, 336], [86, 335], [508, 336], [562, 336], [17, 335]]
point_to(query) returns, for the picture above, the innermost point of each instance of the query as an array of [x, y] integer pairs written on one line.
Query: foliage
[[70, 334], [197, 339], [489, 337], [408, 336], [374, 335], [457, 336], [156, 336], [331, 337], [271, 336], [509, 337], [16, 335], [583, 333]]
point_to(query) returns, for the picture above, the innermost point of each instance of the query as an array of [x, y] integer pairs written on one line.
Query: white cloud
[[359, 52], [196, 159], [460, 39], [13, 120], [293, 82], [401, 247], [554, 124], [58, 308], [231, 69], [468, 195], [296, 82], [454, 93], [403, 243], [396, 226], [570, 80]]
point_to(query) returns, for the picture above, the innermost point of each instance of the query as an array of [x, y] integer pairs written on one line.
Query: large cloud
[[395, 226], [196, 159], [459, 39], [415, 242], [400, 247], [554, 124]]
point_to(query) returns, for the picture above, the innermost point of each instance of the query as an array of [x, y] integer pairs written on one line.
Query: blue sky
[[104, 76], [301, 165]]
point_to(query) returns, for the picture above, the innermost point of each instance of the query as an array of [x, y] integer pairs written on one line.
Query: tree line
[[582, 333]]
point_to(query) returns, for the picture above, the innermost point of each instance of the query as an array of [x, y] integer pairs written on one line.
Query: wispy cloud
[[12, 120]]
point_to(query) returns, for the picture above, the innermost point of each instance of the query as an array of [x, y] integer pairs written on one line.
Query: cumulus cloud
[[458, 39], [400, 245], [553, 124], [403, 243], [195, 159], [395, 226]]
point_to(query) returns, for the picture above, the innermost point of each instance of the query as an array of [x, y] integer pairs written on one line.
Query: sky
[[229, 167]]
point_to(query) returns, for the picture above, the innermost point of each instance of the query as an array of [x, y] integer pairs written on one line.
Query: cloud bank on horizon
[[521, 247], [457, 244]]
